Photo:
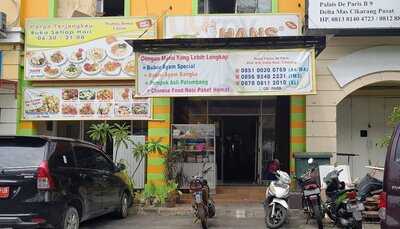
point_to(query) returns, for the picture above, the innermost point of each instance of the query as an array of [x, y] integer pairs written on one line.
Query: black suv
[[58, 182]]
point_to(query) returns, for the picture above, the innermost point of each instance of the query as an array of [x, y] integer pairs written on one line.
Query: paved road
[[185, 222]]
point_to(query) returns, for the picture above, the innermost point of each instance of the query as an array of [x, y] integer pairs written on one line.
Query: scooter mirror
[[310, 161]]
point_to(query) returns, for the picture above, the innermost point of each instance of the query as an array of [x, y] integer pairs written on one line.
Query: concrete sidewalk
[[232, 216], [235, 218]]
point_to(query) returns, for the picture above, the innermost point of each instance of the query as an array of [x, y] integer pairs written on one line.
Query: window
[[397, 155], [21, 151], [62, 156], [68, 129], [234, 6], [253, 6], [90, 158], [109, 8]]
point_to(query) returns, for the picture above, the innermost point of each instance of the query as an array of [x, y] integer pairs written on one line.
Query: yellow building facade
[[160, 126]]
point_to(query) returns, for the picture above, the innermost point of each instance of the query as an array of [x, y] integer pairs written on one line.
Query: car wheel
[[123, 210], [70, 220]]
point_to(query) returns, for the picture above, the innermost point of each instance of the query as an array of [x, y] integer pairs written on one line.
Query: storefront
[[81, 71], [241, 88], [358, 84], [249, 132]]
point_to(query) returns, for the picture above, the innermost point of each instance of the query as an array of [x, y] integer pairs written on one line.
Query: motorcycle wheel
[[318, 215], [331, 215], [202, 215], [358, 225], [279, 219]]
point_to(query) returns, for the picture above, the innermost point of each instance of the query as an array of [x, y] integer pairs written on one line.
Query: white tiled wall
[[8, 114]]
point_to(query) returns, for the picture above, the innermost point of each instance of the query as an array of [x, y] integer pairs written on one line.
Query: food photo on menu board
[[84, 49], [115, 61], [84, 104]]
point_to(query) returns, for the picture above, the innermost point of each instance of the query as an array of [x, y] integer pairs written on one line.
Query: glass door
[[267, 135]]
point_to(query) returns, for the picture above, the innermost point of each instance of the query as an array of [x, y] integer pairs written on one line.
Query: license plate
[[312, 192], [4, 192]]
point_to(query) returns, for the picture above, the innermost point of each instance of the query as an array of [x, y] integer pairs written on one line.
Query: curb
[[235, 211]]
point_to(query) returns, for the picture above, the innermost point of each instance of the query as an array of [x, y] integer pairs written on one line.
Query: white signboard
[[353, 14], [226, 73], [99, 103], [220, 26]]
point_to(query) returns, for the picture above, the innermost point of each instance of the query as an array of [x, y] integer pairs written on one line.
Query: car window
[[21, 152], [62, 156], [397, 155], [102, 163], [90, 158]]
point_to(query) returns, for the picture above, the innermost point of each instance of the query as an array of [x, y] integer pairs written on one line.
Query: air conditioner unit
[[3, 25]]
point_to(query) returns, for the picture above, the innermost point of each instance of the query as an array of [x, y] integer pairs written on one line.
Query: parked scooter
[[342, 205], [202, 204], [311, 200], [276, 203]]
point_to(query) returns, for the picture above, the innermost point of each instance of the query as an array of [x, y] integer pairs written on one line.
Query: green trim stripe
[[127, 8], [52, 8], [19, 95], [22, 84], [297, 147], [162, 132], [195, 7], [155, 176], [161, 101], [275, 6], [298, 132], [165, 117], [298, 117], [157, 132], [25, 132], [156, 162], [298, 101]]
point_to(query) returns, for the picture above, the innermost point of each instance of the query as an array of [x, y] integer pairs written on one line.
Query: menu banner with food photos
[[78, 103], [226, 73], [221, 26], [84, 48]]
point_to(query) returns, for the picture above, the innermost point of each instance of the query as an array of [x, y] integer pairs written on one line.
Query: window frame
[[396, 146], [206, 6]]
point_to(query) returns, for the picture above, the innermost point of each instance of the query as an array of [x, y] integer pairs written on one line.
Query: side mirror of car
[[120, 167]]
